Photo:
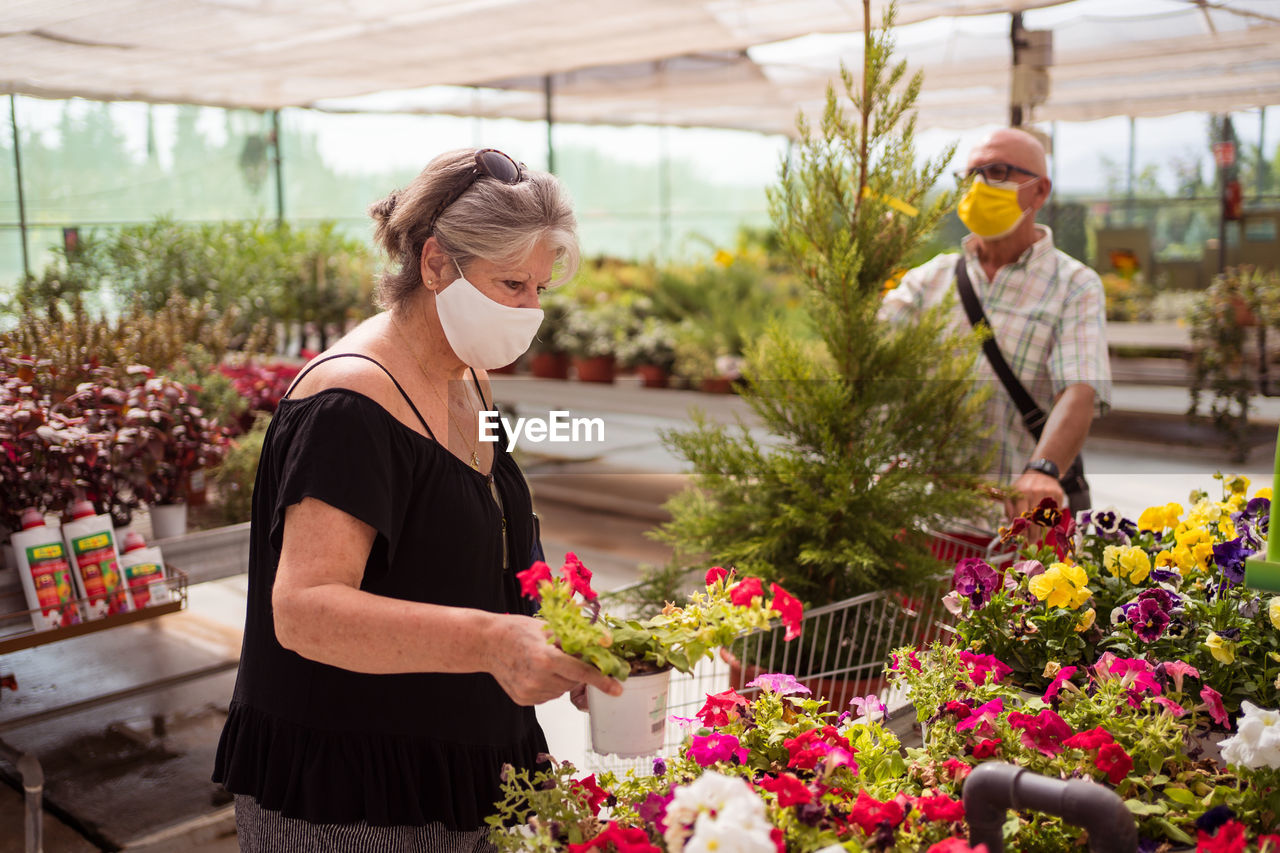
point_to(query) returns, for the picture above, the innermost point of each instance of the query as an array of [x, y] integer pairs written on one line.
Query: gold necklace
[[475, 457]]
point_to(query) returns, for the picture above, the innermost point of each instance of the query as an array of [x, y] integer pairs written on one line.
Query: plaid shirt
[[1047, 312]]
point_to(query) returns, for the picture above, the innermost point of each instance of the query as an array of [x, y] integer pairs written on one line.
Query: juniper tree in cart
[[877, 425]]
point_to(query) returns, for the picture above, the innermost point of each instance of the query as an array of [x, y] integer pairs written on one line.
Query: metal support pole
[[1264, 178], [664, 195], [1015, 41], [551, 148], [1224, 175], [1128, 212], [17, 171], [279, 158]]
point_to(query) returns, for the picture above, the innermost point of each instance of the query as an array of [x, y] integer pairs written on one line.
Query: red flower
[[956, 845], [1229, 839], [939, 807], [578, 576], [721, 708], [806, 749], [595, 795], [1092, 739], [745, 591], [987, 749], [1044, 732], [716, 573], [869, 813], [631, 840], [532, 576], [779, 839], [1269, 844], [789, 790], [982, 666], [790, 608], [956, 768], [1114, 761], [1213, 703]]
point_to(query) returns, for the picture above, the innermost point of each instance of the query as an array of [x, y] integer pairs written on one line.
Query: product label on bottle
[[103, 586], [51, 577], [146, 582]]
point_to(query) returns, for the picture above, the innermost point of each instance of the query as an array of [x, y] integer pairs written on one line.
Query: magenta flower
[[976, 580], [982, 717], [532, 576], [912, 661], [1044, 732], [1062, 678], [708, 749], [777, 682], [1030, 568], [1147, 619], [980, 666], [1213, 704], [1171, 707], [578, 576], [1177, 670]]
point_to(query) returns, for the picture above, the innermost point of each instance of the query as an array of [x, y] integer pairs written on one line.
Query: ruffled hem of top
[[344, 777]]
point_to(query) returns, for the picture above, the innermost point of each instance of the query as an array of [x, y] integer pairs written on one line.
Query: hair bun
[[382, 210]]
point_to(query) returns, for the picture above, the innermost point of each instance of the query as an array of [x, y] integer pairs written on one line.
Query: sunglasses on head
[[994, 173], [490, 163]]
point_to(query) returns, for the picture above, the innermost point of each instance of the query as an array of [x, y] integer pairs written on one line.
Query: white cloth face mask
[[484, 333]]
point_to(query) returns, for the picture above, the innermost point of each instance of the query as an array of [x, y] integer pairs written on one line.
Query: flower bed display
[[1111, 653]]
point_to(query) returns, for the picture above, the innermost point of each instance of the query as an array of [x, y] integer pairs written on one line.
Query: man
[[1046, 310]]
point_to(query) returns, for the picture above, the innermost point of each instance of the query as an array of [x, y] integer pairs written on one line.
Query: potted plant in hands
[[643, 652], [172, 439]]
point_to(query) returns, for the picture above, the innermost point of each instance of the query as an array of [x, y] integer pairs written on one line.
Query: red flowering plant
[[1121, 722], [777, 772], [677, 637]]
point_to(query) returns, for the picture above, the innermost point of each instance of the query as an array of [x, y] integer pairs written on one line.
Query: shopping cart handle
[[995, 787]]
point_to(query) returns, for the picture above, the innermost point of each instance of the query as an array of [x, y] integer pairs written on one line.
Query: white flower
[[725, 813], [1257, 740]]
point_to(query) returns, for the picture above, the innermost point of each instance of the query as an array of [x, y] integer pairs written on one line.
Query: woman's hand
[[533, 671], [578, 696]]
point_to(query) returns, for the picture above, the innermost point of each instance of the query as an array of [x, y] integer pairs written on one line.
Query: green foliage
[[1222, 322], [876, 426], [234, 478]]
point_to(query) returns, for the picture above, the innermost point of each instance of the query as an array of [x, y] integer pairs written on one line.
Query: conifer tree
[[877, 427]]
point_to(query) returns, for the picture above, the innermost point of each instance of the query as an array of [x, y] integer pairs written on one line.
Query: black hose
[[994, 787]]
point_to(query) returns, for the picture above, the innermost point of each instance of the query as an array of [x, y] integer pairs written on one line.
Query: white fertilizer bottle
[[143, 570], [45, 573], [91, 545]]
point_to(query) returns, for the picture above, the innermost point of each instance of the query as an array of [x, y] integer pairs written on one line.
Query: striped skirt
[[260, 830]]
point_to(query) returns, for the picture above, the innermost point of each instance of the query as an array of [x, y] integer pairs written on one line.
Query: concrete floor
[[121, 782]]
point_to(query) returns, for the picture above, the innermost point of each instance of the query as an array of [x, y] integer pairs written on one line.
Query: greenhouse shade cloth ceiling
[[746, 64]]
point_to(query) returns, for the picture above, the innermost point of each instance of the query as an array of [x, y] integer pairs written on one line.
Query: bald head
[[1013, 146]]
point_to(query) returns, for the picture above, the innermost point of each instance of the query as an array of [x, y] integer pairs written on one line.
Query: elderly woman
[[388, 672]]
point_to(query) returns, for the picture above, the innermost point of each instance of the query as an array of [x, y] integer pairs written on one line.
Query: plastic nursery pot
[[600, 368], [168, 520], [653, 376], [549, 365], [633, 724]]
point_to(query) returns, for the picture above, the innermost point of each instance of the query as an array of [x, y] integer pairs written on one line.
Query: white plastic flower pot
[[633, 724], [168, 520]]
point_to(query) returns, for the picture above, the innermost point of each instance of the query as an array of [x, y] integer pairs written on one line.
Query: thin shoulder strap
[[399, 388], [1032, 415], [476, 380]]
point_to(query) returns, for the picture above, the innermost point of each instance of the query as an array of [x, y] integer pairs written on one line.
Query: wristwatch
[[1044, 466]]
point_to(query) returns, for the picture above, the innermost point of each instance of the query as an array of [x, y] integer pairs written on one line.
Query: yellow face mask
[[991, 210]]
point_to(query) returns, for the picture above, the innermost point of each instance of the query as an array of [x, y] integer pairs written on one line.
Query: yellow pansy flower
[[1264, 492], [1062, 585], [1127, 561], [1273, 611], [1222, 649], [1160, 518], [1236, 484], [1086, 620], [1164, 560]]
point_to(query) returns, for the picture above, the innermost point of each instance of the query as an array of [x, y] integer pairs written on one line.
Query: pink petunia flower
[[1177, 670], [1171, 707], [531, 577], [789, 608], [956, 845], [912, 661], [1045, 732], [982, 717], [578, 576], [1213, 704], [983, 666], [1059, 681], [780, 683], [869, 706], [708, 749]]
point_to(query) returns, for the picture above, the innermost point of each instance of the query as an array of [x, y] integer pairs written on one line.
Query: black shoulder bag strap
[[1034, 417]]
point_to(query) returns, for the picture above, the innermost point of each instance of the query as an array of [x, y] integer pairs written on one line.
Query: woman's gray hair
[[499, 222]]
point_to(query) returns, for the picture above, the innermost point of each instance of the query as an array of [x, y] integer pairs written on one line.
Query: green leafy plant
[[233, 479], [876, 426]]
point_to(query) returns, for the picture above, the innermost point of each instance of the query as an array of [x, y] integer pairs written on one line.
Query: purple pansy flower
[[1229, 557], [1147, 618], [975, 579]]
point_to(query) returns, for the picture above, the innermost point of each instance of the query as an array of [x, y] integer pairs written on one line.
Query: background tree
[[875, 427]]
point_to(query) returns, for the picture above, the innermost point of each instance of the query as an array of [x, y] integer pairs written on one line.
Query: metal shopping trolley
[[843, 647]]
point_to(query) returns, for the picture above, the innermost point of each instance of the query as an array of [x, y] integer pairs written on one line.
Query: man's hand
[[1031, 488]]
